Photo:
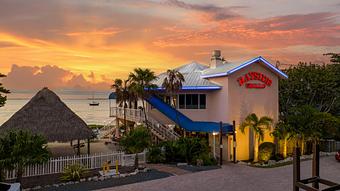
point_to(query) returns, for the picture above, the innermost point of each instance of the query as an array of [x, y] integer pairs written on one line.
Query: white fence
[[58, 165], [329, 145]]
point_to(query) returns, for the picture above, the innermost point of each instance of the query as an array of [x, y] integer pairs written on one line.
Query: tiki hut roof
[[47, 115]]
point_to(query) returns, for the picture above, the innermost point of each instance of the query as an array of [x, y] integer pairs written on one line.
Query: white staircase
[[161, 131], [158, 129]]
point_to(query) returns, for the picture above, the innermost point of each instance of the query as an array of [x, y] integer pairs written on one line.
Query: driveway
[[237, 178]]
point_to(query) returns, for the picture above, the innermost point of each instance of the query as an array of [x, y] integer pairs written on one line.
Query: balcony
[[135, 115]]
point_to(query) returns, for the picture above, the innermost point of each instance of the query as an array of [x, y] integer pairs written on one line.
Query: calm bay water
[[76, 101]]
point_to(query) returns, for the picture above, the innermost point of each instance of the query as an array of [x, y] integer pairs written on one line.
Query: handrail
[[136, 115]]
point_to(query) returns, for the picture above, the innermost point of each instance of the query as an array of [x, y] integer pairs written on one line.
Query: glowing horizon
[[89, 43]]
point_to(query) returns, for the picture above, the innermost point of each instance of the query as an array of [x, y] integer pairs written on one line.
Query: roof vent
[[216, 59]]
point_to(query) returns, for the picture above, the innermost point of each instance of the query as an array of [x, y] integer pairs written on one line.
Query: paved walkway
[[169, 169], [236, 178]]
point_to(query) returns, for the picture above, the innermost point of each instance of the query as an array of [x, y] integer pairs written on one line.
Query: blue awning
[[112, 96]]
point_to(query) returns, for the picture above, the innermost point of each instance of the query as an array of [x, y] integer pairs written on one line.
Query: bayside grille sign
[[254, 76]]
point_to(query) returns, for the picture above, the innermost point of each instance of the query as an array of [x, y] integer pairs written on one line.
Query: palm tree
[[19, 149], [121, 88], [136, 141], [282, 132], [258, 126], [3, 91], [172, 84], [141, 80]]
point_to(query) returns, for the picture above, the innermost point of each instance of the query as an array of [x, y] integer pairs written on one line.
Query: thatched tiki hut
[[47, 115]]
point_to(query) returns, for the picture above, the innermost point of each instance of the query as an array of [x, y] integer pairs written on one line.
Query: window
[[192, 101], [181, 101], [202, 101]]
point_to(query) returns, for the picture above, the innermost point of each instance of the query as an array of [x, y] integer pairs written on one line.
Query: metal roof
[[230, 68], [196, 75], [192, 74]]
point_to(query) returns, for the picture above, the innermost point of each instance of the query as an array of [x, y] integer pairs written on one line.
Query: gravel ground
[[93, 185], [237, 178]]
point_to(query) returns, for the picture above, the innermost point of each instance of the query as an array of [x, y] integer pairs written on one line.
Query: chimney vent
[[216, 59]]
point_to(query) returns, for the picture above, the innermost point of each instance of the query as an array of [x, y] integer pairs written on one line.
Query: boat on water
[[93, 103]]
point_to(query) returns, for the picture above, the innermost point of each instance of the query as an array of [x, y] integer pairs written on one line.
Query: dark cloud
[[313, 21], [218, 13], [34, 78]]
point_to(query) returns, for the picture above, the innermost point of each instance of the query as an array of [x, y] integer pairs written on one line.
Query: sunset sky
[[87, 43]]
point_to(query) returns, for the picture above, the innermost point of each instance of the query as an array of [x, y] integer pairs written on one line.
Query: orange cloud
[[110, 38]]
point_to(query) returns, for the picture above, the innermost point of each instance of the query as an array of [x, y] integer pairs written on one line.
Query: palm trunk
[[125, 118], [136, 161], [256, 149], [284, 153], [144, 110]]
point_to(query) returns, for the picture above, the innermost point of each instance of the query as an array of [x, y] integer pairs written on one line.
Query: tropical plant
[[308, 124], [172, 84], [266, 151], [3, 91], [258, 127], [19, 149], [310, 84], [73, 172], [155, 154], [282, 132], [142, 85], [121, 89], [136, 141], [172, 152], [187, 149], [207, 159], [191, 147]]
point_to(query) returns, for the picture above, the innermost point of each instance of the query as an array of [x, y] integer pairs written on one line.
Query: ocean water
[[76, 101]]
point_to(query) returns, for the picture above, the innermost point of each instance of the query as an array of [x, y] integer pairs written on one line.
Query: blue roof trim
[[195, 88], [245, 65]]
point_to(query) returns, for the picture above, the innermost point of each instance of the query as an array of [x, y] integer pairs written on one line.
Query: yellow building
[[221, 92]]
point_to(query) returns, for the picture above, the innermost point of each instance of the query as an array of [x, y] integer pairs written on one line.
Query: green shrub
[[266, 151], [185, 149], [73, 172], [207, 159], [191, 148], [172, 152], [155, 155]]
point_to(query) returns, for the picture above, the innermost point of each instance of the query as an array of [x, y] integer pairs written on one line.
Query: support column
[[221, 144], [316, 163], [234, 142], [296, 168]]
